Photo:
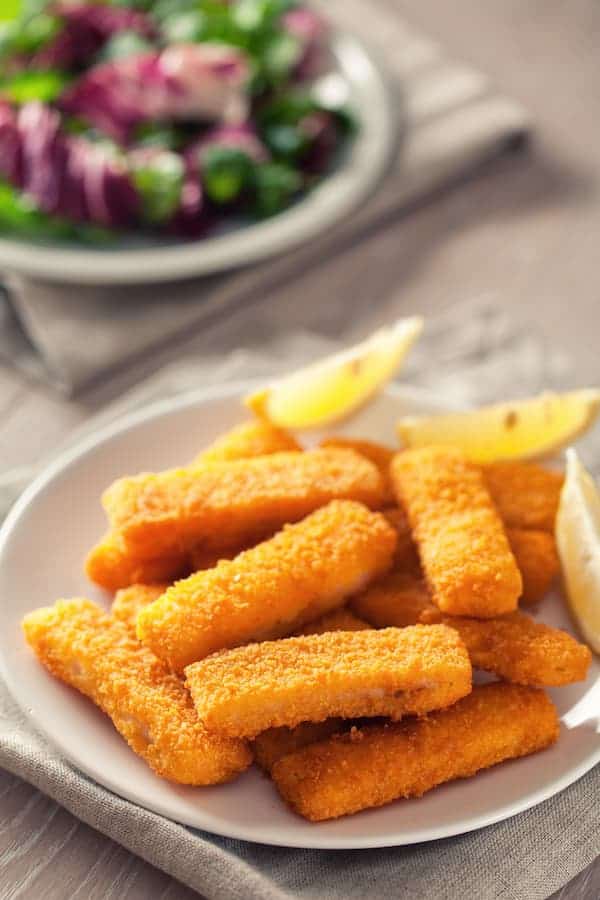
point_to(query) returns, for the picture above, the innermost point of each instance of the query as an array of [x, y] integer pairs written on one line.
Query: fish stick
[[534, 551], [537, 559], [272, 744], [526, 495], [338, 620], [381, 763], [461, 540], [130, 600], [514, 647], [275, 743], [305, 571], [100, 657], [392, 672], [255, 438], [221, 505], [380, 455], [112, 566]]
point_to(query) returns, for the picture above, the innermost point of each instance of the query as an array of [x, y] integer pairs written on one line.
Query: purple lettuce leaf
[[196, 82]]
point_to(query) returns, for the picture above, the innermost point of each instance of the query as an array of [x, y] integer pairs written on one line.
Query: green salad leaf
[[45, 85], [226, 173], [159, 182], [275, 186], [19, 216]]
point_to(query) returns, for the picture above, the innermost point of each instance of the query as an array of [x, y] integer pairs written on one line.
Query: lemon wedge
[[524, 429], [332, 388], [578, 542]]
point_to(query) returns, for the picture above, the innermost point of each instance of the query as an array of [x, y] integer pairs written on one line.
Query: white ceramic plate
[[42, 546], [342, 192]]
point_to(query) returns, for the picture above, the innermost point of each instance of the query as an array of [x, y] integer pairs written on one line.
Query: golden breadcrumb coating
[[221, 505], [338, 620], [392, 672], [514, 647], [380, 455], [112, 566], [274, 743], [537, 559], [534, 551], [407, 557], [526, 495], [78, 643], [461, 540], [255, 438], [305, 571], [381, 763], [398, 599], [130, 600]]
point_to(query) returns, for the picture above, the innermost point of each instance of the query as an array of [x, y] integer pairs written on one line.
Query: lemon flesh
[[333, 388], [578, 542], [524, 429]]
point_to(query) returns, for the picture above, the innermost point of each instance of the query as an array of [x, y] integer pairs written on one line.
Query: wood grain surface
[[524, 231]]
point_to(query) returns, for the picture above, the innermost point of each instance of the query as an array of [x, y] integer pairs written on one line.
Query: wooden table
[[525, 232]]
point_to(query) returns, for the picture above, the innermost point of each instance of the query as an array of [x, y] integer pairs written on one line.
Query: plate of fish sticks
[[349, 637]]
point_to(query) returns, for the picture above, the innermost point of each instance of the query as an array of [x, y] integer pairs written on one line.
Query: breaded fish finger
[[338, 620], [305, 571], [78, 643], [130, 600], [380, 455], [220, 505], [534, 551], [254, 438], [272, 744], [463, 547], [382, 763], [537, 558], [526, 495], [111, 565], [514, 647], [392, 672]]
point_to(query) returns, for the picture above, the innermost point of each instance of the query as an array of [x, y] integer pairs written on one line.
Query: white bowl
[[335, 198]]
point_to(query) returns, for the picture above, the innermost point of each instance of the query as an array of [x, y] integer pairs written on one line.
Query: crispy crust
[[112, 566], [305, 571], [515, 647], [221, 505], [379, 764], [339, 620], [130, 600], [149, 707], [537, 559], [274, 743], [248, 440], [461, 540], [392, 672], [380, 455], [525, 494]]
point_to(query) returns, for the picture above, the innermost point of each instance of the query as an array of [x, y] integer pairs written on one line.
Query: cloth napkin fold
[[472, 355], [453, 121]]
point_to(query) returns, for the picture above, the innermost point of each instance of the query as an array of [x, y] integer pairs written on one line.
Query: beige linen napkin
[[473, 355], [453, 120]]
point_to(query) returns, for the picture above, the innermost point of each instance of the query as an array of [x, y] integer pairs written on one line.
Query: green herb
[[275, 186], [45, 85], [20, 217], [226, 173], [159, 182]]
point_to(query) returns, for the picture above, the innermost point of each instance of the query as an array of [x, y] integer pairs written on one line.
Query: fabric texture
[[472, 355], [452, 121]]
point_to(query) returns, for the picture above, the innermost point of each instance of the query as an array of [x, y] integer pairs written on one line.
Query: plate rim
[[72, 454], [317, 212]]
